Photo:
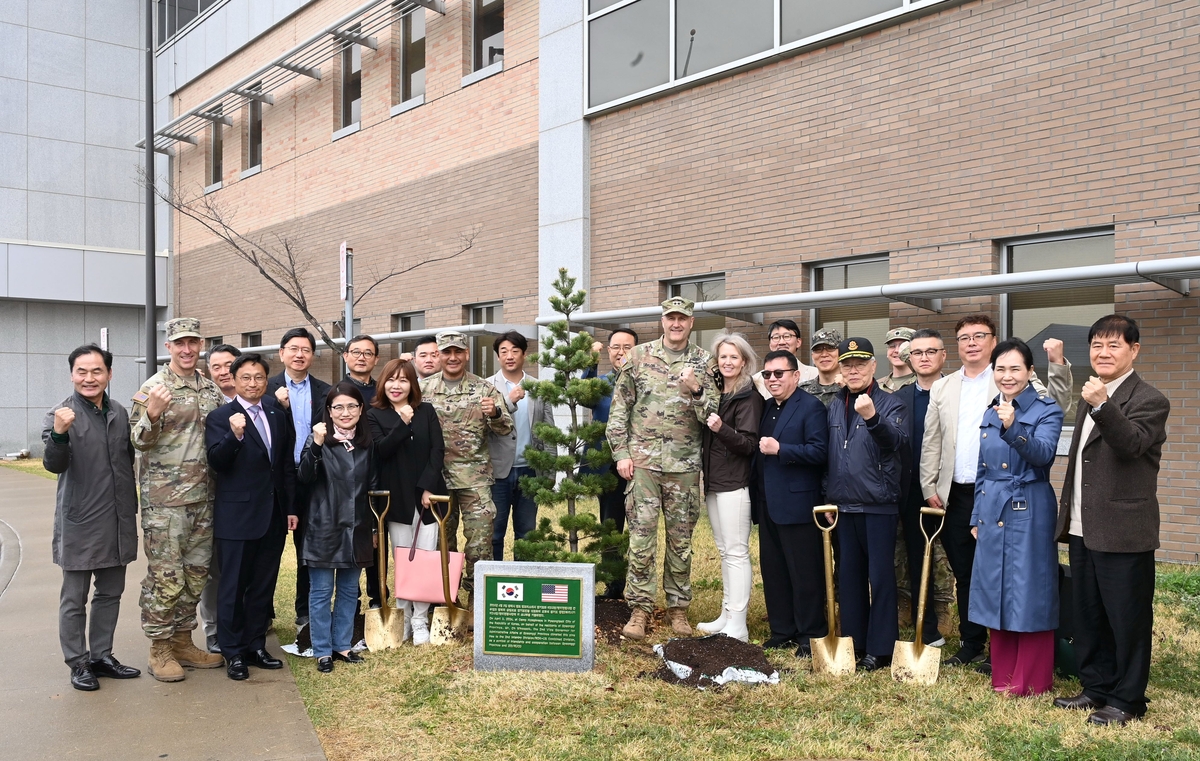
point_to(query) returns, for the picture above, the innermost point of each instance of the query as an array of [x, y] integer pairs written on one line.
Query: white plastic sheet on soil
[[730, 674]]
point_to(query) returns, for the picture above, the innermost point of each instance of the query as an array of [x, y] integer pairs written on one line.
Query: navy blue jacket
[[866, 456], [250, 486], [792, 478]]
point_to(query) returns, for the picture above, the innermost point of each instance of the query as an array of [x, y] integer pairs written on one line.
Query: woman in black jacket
[[338, 462], [730, 442], [410, 451]]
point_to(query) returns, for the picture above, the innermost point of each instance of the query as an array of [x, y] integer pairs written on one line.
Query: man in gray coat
[[95, 516]]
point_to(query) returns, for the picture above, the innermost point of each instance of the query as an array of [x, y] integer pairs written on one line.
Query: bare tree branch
[[466, 241]]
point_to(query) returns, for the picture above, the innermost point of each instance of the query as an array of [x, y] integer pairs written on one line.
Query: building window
[[799, 19], [870, 321], [412, 55], [707, 288], [212, 341], [216, 159], [254, 130], [175, 15], [406, 322], [488, 33], [250, 340], [1067, 313], [628, 51], [351, 84], [711, 33], [483, 359]]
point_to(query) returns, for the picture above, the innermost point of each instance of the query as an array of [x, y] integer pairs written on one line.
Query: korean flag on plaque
[[515, 592]]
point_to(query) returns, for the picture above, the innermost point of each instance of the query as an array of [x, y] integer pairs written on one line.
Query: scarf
[[345, 436]]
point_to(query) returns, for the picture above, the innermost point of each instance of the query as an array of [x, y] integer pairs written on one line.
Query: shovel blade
[[833, 655], [912, 665], [383, 628], [448, 624]]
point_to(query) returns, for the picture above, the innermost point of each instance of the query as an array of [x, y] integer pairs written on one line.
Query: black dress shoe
[[353, 657], [804, 651], [1109, 715], [965, 655], [1080, 702], [985, 666], [263, 660], [325, 664], [110, 667], [780, 641], [873, 662], [82, 678], [236, 668]]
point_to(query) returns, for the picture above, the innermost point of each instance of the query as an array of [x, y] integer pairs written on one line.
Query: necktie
[[260, 423]]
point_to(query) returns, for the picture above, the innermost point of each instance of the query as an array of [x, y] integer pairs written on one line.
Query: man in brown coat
[[1108, 515]]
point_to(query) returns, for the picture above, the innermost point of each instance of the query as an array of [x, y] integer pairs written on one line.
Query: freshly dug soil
[[710, 656], [611, 617]]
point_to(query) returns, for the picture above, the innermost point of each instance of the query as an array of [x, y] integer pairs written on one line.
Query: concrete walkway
[[206, 717]]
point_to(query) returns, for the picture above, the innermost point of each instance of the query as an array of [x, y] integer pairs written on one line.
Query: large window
[[174, 15], [254, 131], [412, 55], [701, 289], [488, 33], [351, 84], [631, 43], [483, 359], [403, 323], [1066, 314], [868, 321], [250, 340]]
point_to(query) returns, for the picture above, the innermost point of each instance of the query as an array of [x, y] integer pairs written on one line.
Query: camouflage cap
[[827, 337], [183, 327], [449, 338], [679, 305], [899, 334]]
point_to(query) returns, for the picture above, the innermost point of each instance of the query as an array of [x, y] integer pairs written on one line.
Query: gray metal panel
[[56, 166], [55, 328], [48, 381], [14, 165], [12, 324], [114, 70], [12, 429], [56, 112], [114, 279], [262, 16], [214, 37], [3, 274], [12, 390], [14, 51], [14, 213], [112, 173], [15, 97], [127, 379], [56, 59], [14, 11], [193, 54], [64, 16], [237, 24], [55, 218], [114, 122], [112, 224], [123, 323], [36, 272], [34, 417], [115, 21]]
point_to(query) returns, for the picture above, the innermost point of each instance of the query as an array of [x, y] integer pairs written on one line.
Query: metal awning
[[927, 294], [304, 60]]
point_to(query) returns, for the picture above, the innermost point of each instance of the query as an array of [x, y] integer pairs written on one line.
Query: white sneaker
[[714, 626], [420, 633]]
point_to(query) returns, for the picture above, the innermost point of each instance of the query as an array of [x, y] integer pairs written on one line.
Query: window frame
[[815, 312], [483, 359], [346, 121], [252, 339], [254, 124], [216, 152], [402, 323], [477, 64]]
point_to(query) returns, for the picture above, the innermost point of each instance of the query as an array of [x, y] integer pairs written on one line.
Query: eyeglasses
[[768, 374], [340, 408], [252, 378], [297, 350], [931, 353], [973, 338], [782, 337], [360, 354]]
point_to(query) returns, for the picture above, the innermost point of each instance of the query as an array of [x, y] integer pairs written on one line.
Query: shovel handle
[[933, 511], [825, 510], [442, 546]]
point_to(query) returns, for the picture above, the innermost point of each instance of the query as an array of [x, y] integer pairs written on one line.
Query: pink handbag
[[418, 575]]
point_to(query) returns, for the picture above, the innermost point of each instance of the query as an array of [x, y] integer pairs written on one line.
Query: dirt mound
[[710, 658]]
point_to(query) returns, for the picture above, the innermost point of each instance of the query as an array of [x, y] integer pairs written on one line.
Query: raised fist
[[517, 394], [1094, 392], [63, 417], [689, 381], [488, 405], [319, 434], [406, 357], [156, 405], [1006, 412], [281, 396], [864, 406], [714, 422], [406, 413], [1054, 351], [237, 424]]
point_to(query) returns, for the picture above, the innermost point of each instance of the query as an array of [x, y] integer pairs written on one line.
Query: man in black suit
[[792, 451], [296, 350], [1108, 515], [249, 442]]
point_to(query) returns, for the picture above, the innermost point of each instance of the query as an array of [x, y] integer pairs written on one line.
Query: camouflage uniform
[[655, 422], [468, 465], [892, 384], [821, 391], [176, 500]]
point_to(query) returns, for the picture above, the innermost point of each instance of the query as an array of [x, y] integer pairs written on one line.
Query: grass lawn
[[32, 465], [428, 702]]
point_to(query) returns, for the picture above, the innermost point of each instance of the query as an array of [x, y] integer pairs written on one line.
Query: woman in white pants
[[410, 451], [729, 446]]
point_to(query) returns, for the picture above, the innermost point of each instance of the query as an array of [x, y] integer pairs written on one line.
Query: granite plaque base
[[535, 616]]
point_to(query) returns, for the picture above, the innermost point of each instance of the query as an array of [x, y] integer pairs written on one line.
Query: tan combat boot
[[163, 665], [189, 655], [679, 622], [636, 628]]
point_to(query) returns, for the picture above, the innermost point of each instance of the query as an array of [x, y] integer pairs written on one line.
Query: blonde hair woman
[[729, 446]]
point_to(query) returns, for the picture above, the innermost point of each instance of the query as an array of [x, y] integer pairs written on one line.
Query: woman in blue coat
[[1014, 584]]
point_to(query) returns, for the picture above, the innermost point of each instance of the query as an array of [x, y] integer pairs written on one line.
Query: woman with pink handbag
[[409, 450]]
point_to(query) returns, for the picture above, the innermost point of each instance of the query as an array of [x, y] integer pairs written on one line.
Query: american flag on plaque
[[554, 593]]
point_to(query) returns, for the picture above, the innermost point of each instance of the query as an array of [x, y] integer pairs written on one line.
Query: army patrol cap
[[678, 305], [855, 348], [899, 334], [452, 338], [183, 327], [827, 337]]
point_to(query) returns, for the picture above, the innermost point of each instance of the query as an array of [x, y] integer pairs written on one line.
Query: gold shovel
[[449, 621], [915, 661], [831, 654], [383, 627]]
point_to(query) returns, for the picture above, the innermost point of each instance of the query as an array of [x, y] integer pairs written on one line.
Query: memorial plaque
[[534, 616]]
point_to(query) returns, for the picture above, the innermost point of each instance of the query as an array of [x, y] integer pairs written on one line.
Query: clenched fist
[[688, 380], [406, 414], [406, 357], [1054, 351], [281, 396], [1094, 392], [864, 406], [625, 468], [517, 394], [488, 405], [63, 417], [156, 405], [596, 347], [714, 422], [319, 434], [237, 424], [768, 445], [1006, 412]]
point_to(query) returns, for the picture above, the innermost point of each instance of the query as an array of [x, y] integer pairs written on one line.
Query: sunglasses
[[769, 374]]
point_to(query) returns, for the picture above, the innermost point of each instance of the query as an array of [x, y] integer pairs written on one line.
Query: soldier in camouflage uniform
[[167, 429], [660, 403], [824, 348], [897, 351], [468, 407]]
